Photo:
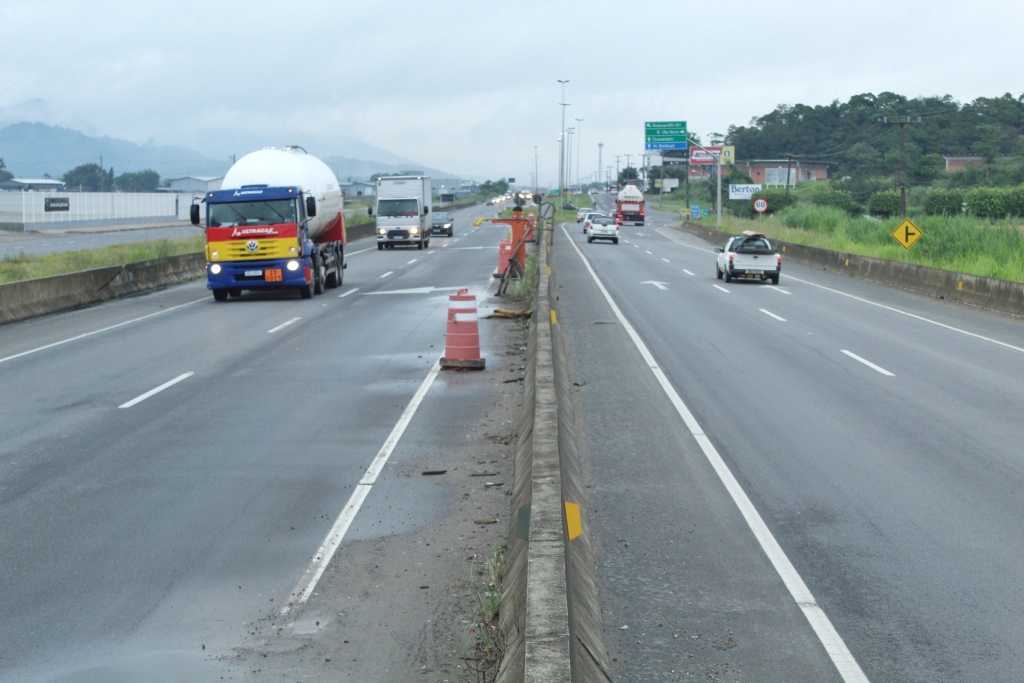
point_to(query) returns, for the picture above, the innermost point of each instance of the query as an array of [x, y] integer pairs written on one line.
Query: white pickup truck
[[749, 256]]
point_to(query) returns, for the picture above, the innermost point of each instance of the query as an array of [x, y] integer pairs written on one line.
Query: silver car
[[603, 228]]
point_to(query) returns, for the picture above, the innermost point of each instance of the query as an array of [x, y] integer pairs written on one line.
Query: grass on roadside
[[24, 267], [522, 290], [484, 640]]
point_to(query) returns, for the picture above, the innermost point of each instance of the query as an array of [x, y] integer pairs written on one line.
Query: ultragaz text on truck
[[276, 222], [403, 203]]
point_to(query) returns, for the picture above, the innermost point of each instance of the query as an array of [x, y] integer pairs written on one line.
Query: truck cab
[[402, 212]]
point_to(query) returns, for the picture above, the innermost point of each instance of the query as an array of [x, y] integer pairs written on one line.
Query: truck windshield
[[396, 208], [252, 213]]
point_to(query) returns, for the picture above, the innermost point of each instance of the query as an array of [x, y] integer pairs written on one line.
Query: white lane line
[[390, 272], [649, 252], [819, 621], [412, 262], [664, 259], [867, 363], [772, 315], [351, 291], [719, 287], [353, 253], [105, 329], [151, 392], [431, 251], [284, 325], [636, 246], [912, 315], [307, 583], [687, 272], [778, 289]]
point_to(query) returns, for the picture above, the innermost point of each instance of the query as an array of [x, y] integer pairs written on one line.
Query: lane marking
[[413, 290], [353, 253], [867, 363], [153, 392], [772, 315], [819, 621], [636, 246], [649, 252], [390, 272], [719, 287], [351, 291], [913, 315], [431, 251], [307, 583], [664, 259], [412, 262], [284, 325], [105, 329], [687, 272], [778, 289]]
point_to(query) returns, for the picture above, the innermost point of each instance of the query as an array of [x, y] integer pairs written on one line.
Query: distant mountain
[[33, 149]]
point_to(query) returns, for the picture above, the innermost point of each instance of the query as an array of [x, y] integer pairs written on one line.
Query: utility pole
[[536, 171], [718, 164], [902, 180], [789, 165], [568, 158], [617, 158], [627, 161], [579, 146], [561, 146], [600, 149]]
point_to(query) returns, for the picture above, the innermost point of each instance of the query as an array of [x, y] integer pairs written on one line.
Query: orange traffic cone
[[462, 344], [504, 254]]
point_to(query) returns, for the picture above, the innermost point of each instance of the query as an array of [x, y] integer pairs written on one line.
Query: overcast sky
[[471, 86]]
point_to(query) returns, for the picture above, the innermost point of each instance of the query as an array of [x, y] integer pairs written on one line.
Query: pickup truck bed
[[748, 256]]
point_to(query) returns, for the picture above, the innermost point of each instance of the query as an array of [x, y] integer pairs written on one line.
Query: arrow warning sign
[[906, 233]]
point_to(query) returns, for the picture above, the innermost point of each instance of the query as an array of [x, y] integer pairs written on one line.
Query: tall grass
[[961, 243], [22, 267]]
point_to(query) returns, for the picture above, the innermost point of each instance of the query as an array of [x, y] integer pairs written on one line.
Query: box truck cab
[[403, 205]]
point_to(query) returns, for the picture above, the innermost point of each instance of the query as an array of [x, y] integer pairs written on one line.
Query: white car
[[589, 219], [581, 213], [749, 256], [603, 228]]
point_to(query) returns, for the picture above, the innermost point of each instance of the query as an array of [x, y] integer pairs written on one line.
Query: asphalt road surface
[[877, 434], [135, 526]]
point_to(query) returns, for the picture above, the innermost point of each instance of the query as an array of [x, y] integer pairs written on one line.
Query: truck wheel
[[728, 276], [235, 292], [380, 246], [334, 278], [718, 272], [419, 245], [306, 291], [318, 275], [615, 241], [220, 294], [775, 279]]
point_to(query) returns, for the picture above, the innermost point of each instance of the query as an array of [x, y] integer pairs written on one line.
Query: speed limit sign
[[760, 205]]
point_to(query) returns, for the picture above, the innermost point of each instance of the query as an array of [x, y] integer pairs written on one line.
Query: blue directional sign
[[665, 135]]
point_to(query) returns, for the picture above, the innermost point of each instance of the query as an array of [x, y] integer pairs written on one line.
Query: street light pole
[[579, 146], [718, 165], [568, 158], [561, 146]]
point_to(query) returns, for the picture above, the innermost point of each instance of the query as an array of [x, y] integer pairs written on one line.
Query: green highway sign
[[665, 135]]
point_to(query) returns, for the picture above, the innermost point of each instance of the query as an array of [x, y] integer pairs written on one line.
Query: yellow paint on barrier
[[573, 525], [960, 286], [847, 261], [554, 317], [549, 271]]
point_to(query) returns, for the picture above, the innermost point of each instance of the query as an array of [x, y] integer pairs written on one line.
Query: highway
[[72, 239], [169, 465], [876, 433]]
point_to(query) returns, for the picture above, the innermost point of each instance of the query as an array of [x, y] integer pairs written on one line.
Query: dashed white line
[[105, 329], [687, 272], [637, 246], [412, 262], [390, 272], [833, 643], [284, 325], [649, 252], [664, 259], [867, 363], [151, 392], [431, 251], [719, 287], [351, 291], [353, 253], [323, 555], [772, 315], [776, 288]]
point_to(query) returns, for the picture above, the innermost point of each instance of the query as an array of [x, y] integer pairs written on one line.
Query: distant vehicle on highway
[[588, 219], [630, 205], [568, 207], [403, 203], [581, 213], [749, 256], [604, 228], [442, 223]]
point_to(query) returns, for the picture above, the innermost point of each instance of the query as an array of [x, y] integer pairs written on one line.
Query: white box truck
[[403, 208]]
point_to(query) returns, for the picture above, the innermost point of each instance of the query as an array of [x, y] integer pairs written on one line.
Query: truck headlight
[[292, 266], [214, 255], [414, 230], [215, 269], [293, 251], [382, 231]]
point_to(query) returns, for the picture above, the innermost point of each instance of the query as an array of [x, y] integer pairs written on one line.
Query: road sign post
[[760, 205], [906, 233]]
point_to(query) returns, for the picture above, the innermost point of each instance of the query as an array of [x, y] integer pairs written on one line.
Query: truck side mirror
[[718, 250], [369, 211], [193, 213], [311, 206], [426, 210]]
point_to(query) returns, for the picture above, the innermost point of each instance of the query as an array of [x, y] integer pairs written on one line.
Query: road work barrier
[[988, 293], [462, 342], [550, 613]]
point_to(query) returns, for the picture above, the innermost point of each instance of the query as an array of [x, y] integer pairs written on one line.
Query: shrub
[[812, 218], [885, 203], [837, 199], [987, 202], [942, 202]]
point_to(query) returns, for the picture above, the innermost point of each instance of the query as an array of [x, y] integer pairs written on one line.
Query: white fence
[[38, 208]]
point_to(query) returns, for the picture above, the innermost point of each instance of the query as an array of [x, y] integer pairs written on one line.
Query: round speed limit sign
[[760, 205]]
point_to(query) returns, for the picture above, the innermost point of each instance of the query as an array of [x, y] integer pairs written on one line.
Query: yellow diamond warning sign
[[906, 234]]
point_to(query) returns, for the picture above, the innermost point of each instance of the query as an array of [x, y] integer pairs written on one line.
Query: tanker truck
[[630, 206], [276, 222]]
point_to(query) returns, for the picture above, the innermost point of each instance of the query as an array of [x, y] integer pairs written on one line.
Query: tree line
[[93, 178]]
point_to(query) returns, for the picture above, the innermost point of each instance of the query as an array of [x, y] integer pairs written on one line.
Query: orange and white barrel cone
[[530, 235], [462, 343], [504, 254]]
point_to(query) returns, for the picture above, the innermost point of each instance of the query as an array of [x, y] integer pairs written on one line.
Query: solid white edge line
[[772, 315], [307, 584], [819, 621], [105, 329], [911, 315], [351, 291], [284, 325], [719, 287], [353, 253], [867, 363], [390, 272], [152, 392]]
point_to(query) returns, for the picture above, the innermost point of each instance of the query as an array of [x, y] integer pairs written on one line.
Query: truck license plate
[[272, 275], [253, 273]]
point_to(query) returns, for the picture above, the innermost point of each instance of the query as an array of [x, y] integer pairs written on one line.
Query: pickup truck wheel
[[380, 246], [615, 241], [775, 279], [419, 245], [220, 294], [590, 240], [718, 272], [728, 276]]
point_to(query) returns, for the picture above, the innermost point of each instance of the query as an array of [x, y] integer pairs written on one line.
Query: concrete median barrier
[[989, 293]]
